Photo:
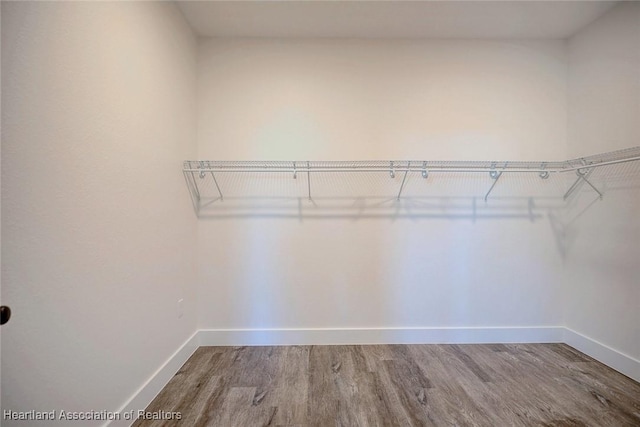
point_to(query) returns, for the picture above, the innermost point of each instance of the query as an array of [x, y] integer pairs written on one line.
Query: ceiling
[[392, 19]]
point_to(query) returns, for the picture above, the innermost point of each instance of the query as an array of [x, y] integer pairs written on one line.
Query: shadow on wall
[[297, 268], [620, 179], [391, 208], [561, 199], [373, 195]]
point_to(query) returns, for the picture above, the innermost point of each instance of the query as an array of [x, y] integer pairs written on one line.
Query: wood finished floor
[[398, 385]]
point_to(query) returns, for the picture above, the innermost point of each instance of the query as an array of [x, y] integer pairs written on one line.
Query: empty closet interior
[[185, 174]]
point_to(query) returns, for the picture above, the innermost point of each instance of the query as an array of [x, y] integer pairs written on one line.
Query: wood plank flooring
[[550, 385]]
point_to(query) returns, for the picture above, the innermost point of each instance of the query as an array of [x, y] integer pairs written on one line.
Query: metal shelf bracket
[[581, 175], [495, 175], [309, 180], [404, 178]]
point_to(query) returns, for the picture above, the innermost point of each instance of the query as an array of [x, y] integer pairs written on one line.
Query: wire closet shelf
[[582, 167]]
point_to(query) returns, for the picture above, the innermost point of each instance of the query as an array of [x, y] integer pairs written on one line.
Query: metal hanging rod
[[582, 167], [543, 169], [316, 169], [596, 165]]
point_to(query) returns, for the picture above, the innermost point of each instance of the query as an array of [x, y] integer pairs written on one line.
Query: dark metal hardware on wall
[[5, 314]]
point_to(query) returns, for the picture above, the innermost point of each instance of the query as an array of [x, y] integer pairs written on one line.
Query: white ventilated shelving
[[213, 182]]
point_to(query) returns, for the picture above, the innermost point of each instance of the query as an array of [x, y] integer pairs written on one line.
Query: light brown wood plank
[[550, 385]]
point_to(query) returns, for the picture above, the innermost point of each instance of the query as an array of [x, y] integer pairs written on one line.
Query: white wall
[[98, 110], [603, 296], [99, 239], [350, 99], [604, 100], [356, 99]]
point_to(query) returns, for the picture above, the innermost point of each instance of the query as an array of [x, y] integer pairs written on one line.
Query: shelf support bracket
[[195, 183], [193, 193], [572, 188], [582, 177], [404, 178], [495, 175], [498, 175], [600, 195], [309, 180], [215, 181]]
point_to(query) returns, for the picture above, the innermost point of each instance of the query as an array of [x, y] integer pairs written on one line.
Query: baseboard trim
[[621, 362], [325, 336], [149, 390], [320, 336]]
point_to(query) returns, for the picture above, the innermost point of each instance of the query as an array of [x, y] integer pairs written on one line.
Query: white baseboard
[[217, 337], [602, 353], [149, 390], [235, 337]]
